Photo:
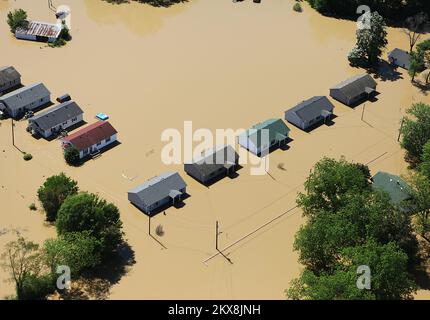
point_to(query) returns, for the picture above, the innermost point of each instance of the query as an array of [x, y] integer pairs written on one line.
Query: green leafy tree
[[424, 167], [87, 212], [77, 250], [17, 19], [370, 41], [53, 193], [415, 131], [25, 264], [420, 204], [71, 155], [389, 279], [329, 182]]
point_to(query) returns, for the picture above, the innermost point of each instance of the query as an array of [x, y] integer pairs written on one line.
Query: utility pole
[[149, 225], [13, 133], [217, 235], [362, 113]]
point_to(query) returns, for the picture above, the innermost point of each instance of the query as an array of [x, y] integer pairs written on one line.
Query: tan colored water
[[221, 65]]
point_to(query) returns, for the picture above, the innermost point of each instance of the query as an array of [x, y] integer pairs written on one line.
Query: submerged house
[[39, 31], [263, 136], [56, 119], [310, 112], [91, 139], [354, 90], [28, 98], [395, 186], [213, 164], [400, 58], [9, 78], [161, 191]]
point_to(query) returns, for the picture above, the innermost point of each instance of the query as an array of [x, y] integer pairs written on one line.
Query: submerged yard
[[220, 65]]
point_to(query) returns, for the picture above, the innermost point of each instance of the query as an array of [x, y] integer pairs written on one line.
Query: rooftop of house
[[56, 115], [276, 129], [159, 187], [356, 85], [312, 108], [395, 186], [91, 135], [401, 57], [25, 95], [214, 159], [8, 74]]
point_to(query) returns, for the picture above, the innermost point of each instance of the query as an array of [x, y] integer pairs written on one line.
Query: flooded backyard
[[220, 65]]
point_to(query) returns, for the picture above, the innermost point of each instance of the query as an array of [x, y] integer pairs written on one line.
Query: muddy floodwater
[[220, 65]]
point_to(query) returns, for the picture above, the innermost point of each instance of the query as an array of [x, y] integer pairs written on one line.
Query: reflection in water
[[4, 4], [142, 19]]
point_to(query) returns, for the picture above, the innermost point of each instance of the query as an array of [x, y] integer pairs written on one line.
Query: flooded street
[[220, 65]]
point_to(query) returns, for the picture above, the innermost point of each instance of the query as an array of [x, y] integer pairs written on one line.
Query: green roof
[[278, 131], [395, 186]]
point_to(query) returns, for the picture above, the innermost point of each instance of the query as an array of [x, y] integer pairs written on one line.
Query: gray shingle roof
[[24, 96], [159, 187], [215, 159], [312, 108], [400, 57], [8, 74], [395, 186], [356, 85], [56, 115]]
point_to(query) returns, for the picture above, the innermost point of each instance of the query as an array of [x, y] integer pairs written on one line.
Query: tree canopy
[[53, 193], [17, 19], [415, 131], [87, 212]]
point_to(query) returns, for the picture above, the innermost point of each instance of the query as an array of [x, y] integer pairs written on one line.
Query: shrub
[[17, 19], [37, 287], [297, 7], [32, 207], [71, 155], [27, 156]]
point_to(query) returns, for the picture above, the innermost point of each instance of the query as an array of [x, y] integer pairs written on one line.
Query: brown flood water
[[221, 65]]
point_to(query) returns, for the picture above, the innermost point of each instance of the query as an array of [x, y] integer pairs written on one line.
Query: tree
[[329, 182], [53, 193], [77, 250], [17, 19], [414, 26], [416, 131], [71, 155], [370, 41], [424, 167], [420, 204], [420, 60], [87, 212], [23, 260], [389, 277]]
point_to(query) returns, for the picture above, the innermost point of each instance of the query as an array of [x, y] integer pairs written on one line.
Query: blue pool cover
[[102, 116]]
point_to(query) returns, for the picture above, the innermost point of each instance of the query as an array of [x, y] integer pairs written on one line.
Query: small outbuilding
[[91, 139], [53, 121], [310, 112], [354, 90], [400, 58], [395, 186], [161, 191], [9, 79], [39, 31], [213, 164], [28, 98], [262, 137]]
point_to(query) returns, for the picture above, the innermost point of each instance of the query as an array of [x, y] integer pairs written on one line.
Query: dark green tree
[[416, 132], [71, 155], [53, 193], [87, 212], [17, 19]]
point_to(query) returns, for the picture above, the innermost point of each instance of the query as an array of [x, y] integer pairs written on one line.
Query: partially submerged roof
[[395, 186], [156, 189], [8, 74], [312, 108], [400, 57], [91, 135], [276, 129], [356, 85], [24, 96], [57, 115], [40, 29], [214, 159]]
